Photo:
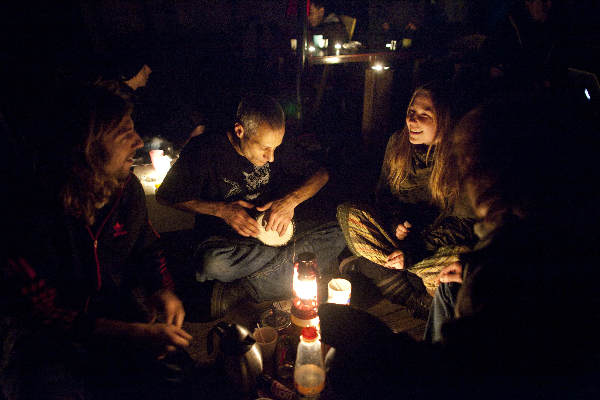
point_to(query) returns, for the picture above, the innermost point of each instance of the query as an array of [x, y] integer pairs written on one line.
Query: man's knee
[[216, 265]]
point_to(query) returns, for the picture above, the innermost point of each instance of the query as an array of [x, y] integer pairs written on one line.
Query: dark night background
[[206, 53]]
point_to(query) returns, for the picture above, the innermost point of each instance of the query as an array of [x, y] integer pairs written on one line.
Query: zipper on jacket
[[97, 235], [96, 259], [98, 276]]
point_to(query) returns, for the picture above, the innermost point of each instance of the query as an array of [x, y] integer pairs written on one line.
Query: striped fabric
[[366, 237], [429, 268]]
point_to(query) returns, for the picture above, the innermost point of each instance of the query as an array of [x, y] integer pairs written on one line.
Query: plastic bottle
[[309, 372]]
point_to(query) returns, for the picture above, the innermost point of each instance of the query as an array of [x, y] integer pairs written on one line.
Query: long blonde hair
[[87, 186], [443, 182]]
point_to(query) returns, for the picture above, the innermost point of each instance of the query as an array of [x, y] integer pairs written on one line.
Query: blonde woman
[[417, 222]]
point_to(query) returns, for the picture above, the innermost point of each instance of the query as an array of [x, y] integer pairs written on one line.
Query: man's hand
[[451, 273], [395, 260], [402, 230], [158, 336], [167, 301], [280, 214], [236, 216], [162, 337]]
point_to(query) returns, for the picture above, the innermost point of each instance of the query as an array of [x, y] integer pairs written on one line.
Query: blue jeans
[[442, 310], [267, 270]]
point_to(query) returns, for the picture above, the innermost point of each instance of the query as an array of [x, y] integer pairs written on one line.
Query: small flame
[[304, 289]]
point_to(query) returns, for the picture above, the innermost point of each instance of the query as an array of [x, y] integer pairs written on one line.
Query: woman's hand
[[451, 273], [280, 214], [402, 230], [395, 260]]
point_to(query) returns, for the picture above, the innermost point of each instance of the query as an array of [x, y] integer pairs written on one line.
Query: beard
[[121, 175]]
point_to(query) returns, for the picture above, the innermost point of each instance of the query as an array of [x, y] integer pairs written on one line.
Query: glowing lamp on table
[[305, 300]]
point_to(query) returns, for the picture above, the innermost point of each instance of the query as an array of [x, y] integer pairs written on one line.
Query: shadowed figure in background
[[322, 21], [519, 324], [526, 47]]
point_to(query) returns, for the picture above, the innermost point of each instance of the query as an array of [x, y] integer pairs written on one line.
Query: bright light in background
[[154, 176], [379, 67], [162, 165], [338, 46], [156, 143], [311, 48], [587, 94]]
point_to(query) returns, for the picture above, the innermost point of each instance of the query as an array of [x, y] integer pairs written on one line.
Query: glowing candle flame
[[305, 290]]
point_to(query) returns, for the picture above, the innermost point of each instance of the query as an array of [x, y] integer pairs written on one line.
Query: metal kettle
[[238, 353]]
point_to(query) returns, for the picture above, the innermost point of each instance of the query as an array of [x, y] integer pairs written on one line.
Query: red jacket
[[63, 274]]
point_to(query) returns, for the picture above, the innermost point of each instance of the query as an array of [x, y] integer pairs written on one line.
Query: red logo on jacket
[[119, 231]]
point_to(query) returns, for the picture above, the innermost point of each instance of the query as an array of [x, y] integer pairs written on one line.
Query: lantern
[[305, 294]]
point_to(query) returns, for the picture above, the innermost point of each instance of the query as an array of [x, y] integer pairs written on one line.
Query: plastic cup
[[266, 338], [338, 291]]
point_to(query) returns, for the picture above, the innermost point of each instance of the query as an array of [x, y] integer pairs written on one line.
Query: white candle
[[338, 291]]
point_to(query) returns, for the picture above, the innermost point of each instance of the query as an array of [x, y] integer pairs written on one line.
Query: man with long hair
[[79, 264]]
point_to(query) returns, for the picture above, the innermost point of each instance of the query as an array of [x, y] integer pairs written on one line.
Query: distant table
[[362, 57], [378, 85]]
